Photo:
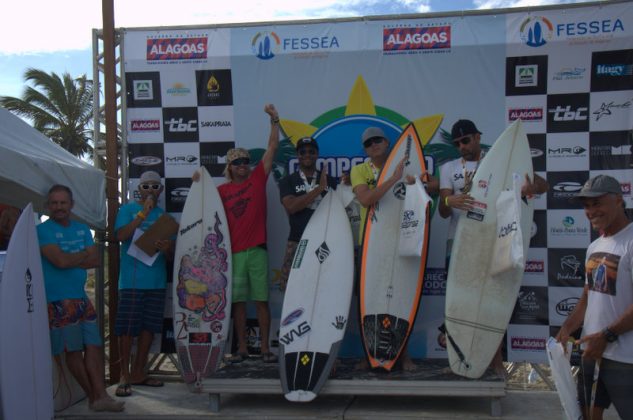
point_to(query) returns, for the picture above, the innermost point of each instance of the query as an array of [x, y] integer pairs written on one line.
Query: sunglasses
[[307, 151], [241, 161], [464, 141], [150, 186], [375, 140]]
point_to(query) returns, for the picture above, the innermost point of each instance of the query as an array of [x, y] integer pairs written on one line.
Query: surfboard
[[565, 384], [202, 283], [66, 389], [478, 304], [26, 385], [317, 301], [391, 285]]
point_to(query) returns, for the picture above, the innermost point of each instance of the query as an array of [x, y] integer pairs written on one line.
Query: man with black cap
[[605, 309], [141, 301], [301, 193], [456, 179]]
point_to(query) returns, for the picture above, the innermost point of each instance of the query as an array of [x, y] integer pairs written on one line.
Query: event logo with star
[[339, 130]]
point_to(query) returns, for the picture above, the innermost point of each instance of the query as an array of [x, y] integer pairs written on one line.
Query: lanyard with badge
[[309, 186]]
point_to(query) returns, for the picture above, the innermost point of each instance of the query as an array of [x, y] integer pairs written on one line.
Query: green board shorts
[[250, 275]]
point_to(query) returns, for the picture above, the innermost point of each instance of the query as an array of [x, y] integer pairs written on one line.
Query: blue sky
[[57, 40]]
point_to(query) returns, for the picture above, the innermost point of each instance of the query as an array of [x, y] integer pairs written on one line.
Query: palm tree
[[61, 108]]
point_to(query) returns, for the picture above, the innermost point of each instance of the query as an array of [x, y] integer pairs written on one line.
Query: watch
[[609, 335]]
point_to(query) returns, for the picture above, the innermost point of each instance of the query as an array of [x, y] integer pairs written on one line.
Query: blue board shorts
[[140, 310], [73, 325]]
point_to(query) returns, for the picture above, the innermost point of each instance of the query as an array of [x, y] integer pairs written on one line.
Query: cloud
[[67, 24]]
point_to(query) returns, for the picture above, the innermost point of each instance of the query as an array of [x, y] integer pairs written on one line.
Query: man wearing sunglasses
[[456, 179], [301, 193], [141, 287], [244, 200]]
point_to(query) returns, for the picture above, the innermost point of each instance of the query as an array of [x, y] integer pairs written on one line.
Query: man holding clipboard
[[142, 280]]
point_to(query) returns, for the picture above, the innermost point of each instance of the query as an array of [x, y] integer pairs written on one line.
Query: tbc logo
[[265, 45], [567, 114], [536, 31], [180, 126]]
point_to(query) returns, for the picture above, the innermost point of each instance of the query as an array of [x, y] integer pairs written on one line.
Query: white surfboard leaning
[[26, 376], [565, 384], [391, 285], [317, 301], [202, 283], [479, 305]]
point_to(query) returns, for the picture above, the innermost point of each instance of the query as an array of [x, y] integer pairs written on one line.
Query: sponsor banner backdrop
[[193, 93]]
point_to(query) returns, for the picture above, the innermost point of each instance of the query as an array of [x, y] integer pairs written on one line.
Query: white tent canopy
[[30, 163]]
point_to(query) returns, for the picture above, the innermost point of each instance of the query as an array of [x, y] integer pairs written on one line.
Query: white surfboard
[[202, 283], [317, 301], [565, 384], [66, 389], [26, 384], [479, 305], [391, 285]]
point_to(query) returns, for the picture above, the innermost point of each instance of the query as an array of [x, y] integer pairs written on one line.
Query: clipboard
[[165, 227]]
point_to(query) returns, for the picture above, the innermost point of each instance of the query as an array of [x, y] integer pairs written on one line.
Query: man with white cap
[[605, 309], [141, 287]]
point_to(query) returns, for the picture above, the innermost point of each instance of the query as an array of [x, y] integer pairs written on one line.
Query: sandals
[[269, 357], [123, 390], [238, 357]]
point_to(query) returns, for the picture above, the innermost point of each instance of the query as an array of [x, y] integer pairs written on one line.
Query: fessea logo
[[178, 48], [266, 45], [536, 31], [418, 38]]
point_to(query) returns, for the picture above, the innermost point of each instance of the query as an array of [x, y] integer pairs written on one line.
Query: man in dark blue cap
[[605, 309], [301, 193]]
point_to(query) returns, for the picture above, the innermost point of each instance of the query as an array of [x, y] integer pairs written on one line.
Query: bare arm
[[273, 138], [539, 186], [86, 258], [575, 319], [126, 232], [368, 197], [294, 204]]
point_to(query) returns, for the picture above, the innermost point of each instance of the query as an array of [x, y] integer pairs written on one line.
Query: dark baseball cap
[[307, 141], [463, 128], [599, 186], [372, 132]]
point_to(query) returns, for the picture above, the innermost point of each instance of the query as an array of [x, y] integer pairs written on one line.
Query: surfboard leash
[[456, 348]]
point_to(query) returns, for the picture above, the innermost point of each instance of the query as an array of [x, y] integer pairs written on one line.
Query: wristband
[[446, 201], [274, 120], [141, 215]]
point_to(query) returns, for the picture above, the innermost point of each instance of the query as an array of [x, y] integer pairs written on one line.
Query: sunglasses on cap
[[373, 140], [307, 151], [241, 161], [464, 141], [150, 186]]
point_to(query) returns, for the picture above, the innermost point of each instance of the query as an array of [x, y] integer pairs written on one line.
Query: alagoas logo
[[527, 343], [417, 38], [181, 48], [525, 114], [145, 125], [535, 266]]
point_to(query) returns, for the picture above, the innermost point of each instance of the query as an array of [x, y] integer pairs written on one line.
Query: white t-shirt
[[609, 275], [452, 175]]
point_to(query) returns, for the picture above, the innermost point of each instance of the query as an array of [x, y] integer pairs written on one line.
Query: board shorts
[[291, 248], [140, 310], [615, 384], [73, 325], [250, 275], [585, 383]]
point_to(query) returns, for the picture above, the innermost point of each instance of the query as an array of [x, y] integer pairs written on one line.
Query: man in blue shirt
[[141, 287], [67, 251]]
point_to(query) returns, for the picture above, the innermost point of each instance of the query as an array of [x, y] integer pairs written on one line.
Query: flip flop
[[123, 390], [154, 383], [238, 357], [269, 358]]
